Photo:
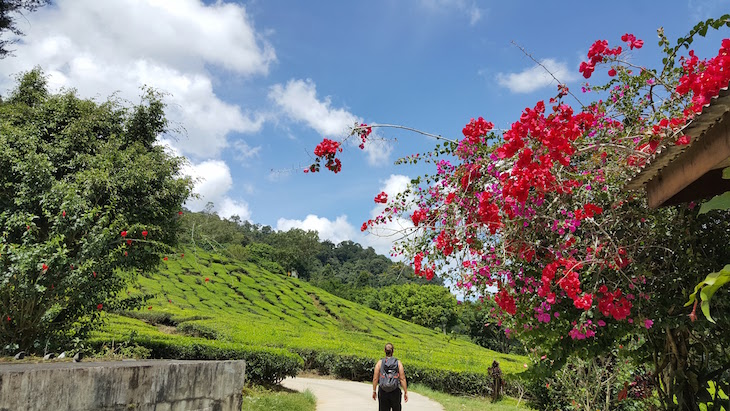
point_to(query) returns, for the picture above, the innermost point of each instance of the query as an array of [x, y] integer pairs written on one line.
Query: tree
[[86, 200], [540, 213], [8, 10], [431, 306]]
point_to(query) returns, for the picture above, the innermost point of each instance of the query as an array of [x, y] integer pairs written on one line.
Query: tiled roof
[[695, 129]]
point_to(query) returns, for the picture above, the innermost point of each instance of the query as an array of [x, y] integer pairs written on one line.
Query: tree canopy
[[86, 199], [9, 9]]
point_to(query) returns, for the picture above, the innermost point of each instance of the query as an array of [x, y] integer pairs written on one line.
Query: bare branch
[[522, 49]]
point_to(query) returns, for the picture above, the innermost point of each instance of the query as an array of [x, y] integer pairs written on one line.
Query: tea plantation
[[208, 306]]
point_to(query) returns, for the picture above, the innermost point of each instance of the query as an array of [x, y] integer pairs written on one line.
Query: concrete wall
[[123, 385]]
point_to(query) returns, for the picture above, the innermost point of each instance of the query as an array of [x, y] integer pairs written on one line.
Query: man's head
[[388, 350]]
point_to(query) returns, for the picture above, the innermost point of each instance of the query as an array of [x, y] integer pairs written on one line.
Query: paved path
[[336, 395]]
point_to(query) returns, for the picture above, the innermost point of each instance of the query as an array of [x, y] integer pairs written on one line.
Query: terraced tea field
[[210, 297]]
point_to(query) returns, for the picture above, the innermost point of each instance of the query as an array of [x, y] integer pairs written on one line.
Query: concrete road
[[337, 395]]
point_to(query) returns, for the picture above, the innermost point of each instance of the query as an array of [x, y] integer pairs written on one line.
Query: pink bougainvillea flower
[[648, 323]]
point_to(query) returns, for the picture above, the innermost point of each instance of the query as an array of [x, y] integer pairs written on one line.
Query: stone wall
[[162, 385]]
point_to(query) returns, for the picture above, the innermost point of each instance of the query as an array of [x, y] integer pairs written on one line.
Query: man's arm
[[403, 382], [376, 374]]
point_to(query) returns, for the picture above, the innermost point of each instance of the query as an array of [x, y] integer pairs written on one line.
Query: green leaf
[[707, 288], [719, 202], [726, 173]]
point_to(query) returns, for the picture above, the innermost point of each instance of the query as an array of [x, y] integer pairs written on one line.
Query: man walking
[[387, 378]]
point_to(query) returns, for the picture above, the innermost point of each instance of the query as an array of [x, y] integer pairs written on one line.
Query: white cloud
[[475, 15], [213, 181], [340, 229], [245, 152], [336, 231], [470, 8], [103, 47], [704, 9], [536, 77], [298, 101]]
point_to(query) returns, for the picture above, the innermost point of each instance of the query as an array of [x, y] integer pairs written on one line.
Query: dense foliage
[[86, 198], [540, 213], [431, 306]]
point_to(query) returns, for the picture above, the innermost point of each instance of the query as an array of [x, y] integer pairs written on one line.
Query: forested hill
[[334, 267]]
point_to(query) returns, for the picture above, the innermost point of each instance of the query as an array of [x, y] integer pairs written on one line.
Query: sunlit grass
[[468, 403], [257, 398]]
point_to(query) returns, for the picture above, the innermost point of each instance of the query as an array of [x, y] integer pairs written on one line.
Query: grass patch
[[257, 398], [468, 403]]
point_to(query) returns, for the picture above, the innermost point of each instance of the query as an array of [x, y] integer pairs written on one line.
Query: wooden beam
[[707, 186], [712, 148]]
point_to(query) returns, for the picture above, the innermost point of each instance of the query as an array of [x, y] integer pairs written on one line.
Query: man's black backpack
[[389, 378]]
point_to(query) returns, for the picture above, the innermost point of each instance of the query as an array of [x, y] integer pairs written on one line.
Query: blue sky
[[257, 84]]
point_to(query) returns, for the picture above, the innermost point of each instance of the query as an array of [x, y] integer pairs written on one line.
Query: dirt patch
[[166, 329]]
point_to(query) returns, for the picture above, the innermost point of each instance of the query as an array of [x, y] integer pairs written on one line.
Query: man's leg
[[395, 400], [383, 401]]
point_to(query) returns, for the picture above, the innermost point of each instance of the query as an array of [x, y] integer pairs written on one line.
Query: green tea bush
[[196, 330], [263, 365], [246, 306]]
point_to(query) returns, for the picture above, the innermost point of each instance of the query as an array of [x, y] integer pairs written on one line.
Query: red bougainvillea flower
[[9, 319], [44, 267], [63, 214], [182, 255], [99, 306], [165, 258], [125, 254], [129, 242], [94, 273], [144, 234], [207, 279], [381, 198], [123, 233], [612, 72], [631, 40], [149, 308]]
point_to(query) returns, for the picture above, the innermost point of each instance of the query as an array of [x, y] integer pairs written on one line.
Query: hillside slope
[[212, 297]]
